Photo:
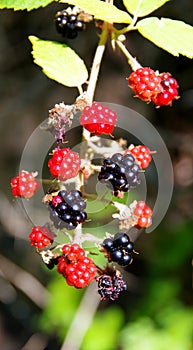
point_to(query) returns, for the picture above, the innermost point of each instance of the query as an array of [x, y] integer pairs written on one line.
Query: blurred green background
[[37, 307]]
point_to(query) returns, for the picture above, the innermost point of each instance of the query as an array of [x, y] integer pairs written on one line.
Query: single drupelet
[[67, 209], [119, 173]]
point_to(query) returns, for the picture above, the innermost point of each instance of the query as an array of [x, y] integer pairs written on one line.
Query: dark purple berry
[[108, 244]]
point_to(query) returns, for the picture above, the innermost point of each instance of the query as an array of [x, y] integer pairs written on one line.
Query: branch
[[24, 281]]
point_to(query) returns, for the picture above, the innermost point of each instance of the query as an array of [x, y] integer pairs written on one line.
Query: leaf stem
[[131, 60]]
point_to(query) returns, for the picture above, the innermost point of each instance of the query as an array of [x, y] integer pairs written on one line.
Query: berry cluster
[[119, 172], [169, 91], [64, 164], [149, 85], [68, 23], [98, 119], [144, 214], [110, 285], [145, 83], [67, 209], [119, 249], [24, 185], [41, 237], [78, 270], [142, 155]]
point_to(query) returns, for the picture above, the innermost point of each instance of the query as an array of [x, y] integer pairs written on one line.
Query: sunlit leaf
[[102, 10], [59, 62], [176, 37], [23, 4], [142, 8]]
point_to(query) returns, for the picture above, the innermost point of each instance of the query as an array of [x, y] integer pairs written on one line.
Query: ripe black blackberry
[[68, 22], [119, 173], [110, 285], [67, 209], [119, 249]]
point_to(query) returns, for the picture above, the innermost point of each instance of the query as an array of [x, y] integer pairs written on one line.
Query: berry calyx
[[142, 155], [24, 185], [67, 209], [144, 214], [98, 119], [41, 237], [78, 269], [64, 164], [119, 173], [145, 83]]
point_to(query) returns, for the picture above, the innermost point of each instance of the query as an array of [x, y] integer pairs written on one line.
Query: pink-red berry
[[41, 237], [64, 164], [145, 83], [149, 85], [24, 185], [142, 155], [78, 270], [144, 214], [168, 92], [98, 119]]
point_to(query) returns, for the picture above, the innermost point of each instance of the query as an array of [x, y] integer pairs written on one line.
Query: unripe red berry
[[24, 185], [64, 164], [40, 237], [98, 119], [144, 213]]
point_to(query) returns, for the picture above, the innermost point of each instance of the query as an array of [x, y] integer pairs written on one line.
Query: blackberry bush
[[122, 164]]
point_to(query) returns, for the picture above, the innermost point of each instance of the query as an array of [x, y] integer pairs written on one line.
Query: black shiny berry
[[119, 173], [68, 23], [69, 212], [121, 240], [108, 244]]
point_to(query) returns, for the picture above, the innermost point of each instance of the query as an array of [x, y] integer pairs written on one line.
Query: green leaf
[[101, 10], [23, 4], [59, 62], [140, 8], [176, 37], [106, 324]]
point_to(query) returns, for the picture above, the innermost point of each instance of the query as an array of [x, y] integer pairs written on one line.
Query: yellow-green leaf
[[23, 4], [59, 62], [101, 10], [176, 37], [141, 8]]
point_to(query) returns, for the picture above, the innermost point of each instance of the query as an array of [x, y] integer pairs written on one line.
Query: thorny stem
[[131, 60]]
